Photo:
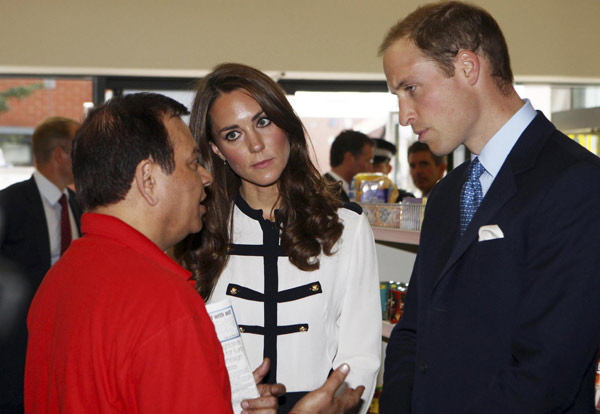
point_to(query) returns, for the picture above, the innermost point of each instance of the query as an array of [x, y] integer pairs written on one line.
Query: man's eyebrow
[[401, 84]]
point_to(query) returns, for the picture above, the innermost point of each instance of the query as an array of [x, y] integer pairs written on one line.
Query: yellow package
[[372, 188]]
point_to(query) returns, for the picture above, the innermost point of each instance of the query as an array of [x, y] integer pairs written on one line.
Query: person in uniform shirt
[[383, 153], [298, 265]]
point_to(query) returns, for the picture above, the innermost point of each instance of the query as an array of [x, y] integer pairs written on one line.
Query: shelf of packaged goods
[[396, 235], [386, 329]]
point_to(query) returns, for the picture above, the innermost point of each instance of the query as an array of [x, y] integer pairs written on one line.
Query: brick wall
[[60, 97]]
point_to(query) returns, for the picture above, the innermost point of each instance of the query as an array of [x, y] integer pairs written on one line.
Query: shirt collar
[[47, 189], [345, 184], [95, 224], [499, 146]]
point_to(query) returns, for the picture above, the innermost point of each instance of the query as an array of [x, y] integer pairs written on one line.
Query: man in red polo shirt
[[117, 326]]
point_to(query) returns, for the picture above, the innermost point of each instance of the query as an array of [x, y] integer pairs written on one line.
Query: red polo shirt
[[116, 327]]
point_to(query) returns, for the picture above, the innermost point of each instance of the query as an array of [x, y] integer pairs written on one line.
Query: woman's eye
[[263, 122], [232, 135]]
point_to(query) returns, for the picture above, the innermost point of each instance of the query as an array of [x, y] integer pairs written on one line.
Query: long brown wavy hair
[[307, 211]]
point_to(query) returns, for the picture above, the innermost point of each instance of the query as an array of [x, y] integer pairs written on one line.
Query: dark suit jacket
[[25, 242], [341, 194], [510, 325]]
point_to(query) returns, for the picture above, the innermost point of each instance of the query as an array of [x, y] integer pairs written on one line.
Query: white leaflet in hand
[[241, 379]]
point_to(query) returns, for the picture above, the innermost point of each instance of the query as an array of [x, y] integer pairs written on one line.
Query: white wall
[[547, 38]]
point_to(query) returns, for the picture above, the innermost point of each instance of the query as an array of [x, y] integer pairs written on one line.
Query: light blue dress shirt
[[496, 151]]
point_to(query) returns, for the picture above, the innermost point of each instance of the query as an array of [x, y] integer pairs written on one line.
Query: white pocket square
[[490, 232]]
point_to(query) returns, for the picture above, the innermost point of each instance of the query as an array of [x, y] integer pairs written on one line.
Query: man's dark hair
[[419, 146], [347, 141], [114, 139], [440, 30]]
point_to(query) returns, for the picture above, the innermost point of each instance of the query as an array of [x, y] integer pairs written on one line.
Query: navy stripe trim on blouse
[[288, 295]]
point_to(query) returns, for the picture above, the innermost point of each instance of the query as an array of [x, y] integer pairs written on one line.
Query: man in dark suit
[[502, 313], [32, 236], [351, 153]]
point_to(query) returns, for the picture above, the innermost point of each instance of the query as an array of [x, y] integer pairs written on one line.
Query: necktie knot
[[471, 195], [475, 169]]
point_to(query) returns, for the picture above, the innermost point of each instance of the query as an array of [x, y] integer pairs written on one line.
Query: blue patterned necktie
[[471, 195]]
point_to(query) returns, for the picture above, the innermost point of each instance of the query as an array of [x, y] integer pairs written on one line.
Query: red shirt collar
[[102, 225]]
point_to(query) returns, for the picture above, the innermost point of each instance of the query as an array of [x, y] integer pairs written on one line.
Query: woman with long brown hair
[[299, 267]]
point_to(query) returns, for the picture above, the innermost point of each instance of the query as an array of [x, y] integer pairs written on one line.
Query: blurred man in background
[[41, 218], [426, 168], [351, 153]]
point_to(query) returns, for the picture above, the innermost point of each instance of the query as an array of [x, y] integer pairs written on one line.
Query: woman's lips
[[263, 163]]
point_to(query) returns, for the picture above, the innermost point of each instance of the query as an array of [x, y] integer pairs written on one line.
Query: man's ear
[[468, 66], [145, 181], [348, 157], [217, 151], [58, 154]]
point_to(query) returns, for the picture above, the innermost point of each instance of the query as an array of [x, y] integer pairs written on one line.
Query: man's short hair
[[419, 146], [114, 139], [440, 30], [53, 132], [347, 141]]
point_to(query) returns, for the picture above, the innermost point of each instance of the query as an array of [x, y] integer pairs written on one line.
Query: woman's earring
[[224, 161]]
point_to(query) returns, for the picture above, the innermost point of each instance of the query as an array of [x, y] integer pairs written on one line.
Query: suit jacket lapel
[[504, 187], [501, 191], [38, 223], [442, 217]]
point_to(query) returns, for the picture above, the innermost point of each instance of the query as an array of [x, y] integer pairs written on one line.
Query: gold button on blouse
[[302, 329], [233, 291], [242, 330], [314, 287]]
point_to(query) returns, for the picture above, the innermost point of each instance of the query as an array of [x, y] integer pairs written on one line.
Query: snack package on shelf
[[383, 290], [393, 295], [374, 407], [404, 216], [383, 215], [396, 296], [372, 188], [413, 210]]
